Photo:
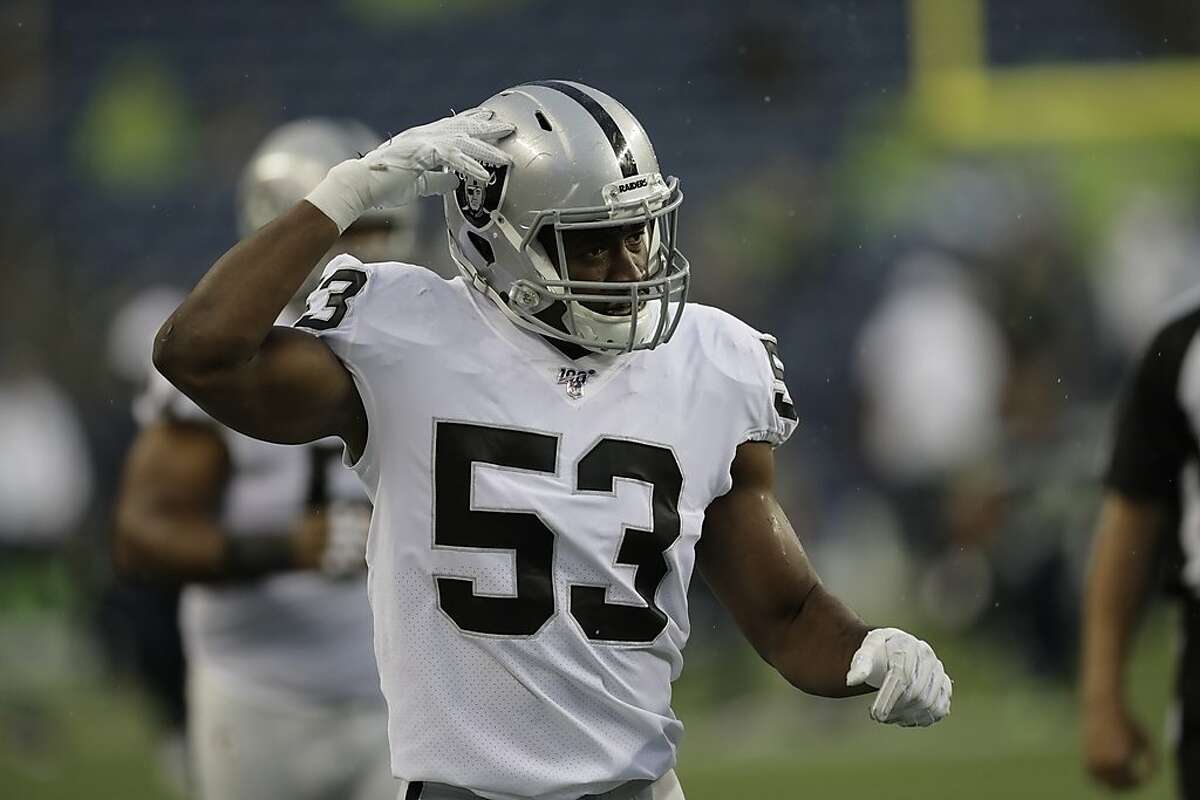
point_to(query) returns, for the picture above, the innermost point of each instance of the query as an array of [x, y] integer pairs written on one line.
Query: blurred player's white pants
[[248, 745], [665, 788]]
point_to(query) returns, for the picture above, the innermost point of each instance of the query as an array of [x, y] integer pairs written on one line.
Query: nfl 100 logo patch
[[574, 380]]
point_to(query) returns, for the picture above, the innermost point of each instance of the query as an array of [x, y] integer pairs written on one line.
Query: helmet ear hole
[[482, 246], [542, 121]]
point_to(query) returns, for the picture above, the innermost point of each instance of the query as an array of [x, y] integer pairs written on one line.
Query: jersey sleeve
[[776, 416], [748, 387], [333, 313], [1152, 437], [330, 311]]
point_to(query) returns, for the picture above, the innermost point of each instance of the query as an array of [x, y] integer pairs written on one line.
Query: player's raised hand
[[914, 689], [418, 162]]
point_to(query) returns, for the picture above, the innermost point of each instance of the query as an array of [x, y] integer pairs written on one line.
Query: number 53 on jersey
[[459, 446]]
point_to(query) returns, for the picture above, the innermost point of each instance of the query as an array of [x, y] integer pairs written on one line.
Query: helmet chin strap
[[545, 268], [531, 322]]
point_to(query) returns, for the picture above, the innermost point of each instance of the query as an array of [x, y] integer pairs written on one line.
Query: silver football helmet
[[580, 161], [293, 159]]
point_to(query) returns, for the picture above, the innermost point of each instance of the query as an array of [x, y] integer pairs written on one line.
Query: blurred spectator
[[931, 365], [1150, 257], [45, 475]]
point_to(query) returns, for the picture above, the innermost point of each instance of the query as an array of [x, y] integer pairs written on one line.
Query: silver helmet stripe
[[609, 125]]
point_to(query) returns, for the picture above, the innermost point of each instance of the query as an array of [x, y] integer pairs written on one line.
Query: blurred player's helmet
[[580, 161], [294, 158]]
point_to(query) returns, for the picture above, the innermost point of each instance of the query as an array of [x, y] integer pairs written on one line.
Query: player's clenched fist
[[914, 688], [418, 162]]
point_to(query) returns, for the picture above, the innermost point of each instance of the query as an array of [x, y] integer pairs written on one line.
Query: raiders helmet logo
[[478, 200]]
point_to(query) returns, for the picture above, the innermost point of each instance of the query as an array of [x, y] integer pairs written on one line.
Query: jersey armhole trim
[[768, 435], [368, 402]]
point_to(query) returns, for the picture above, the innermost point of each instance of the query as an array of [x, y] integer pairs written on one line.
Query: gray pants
[[665, 788]]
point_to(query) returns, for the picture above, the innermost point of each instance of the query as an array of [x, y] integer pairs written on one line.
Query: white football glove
[[346, 526], [420, 161], [914, 689]]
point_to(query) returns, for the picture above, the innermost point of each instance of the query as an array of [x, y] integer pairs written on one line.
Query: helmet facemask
[[609, 316]]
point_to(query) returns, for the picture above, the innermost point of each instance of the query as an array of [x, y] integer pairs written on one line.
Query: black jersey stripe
[[609, 125]]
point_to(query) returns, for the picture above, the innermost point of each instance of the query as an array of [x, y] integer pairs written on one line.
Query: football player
[[284, 697], [1150, 507], [553, 442]]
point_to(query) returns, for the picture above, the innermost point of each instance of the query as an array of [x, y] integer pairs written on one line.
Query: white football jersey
[[535, 525], [299, 632]]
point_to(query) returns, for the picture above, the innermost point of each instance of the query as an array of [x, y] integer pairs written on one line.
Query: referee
[[1151, 506]]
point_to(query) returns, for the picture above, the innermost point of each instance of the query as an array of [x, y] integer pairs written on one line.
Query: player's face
[[610, 255]]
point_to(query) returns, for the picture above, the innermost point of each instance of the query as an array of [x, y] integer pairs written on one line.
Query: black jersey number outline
[[783, 402], [598, 471], [354, 279], [458, 446]]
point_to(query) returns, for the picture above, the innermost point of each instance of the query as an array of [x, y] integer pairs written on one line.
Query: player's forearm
[[227, 316], [814, 649], [1116, 586], [198, 551]]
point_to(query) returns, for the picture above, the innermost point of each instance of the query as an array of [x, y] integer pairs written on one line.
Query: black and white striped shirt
[[1156, 456]]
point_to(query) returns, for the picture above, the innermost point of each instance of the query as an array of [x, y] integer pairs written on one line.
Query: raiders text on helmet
[[580, 161]]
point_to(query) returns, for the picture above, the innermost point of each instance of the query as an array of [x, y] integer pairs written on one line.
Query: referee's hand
[[1116, 749]]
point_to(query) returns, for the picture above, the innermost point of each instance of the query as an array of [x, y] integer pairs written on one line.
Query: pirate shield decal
[[477, 199]]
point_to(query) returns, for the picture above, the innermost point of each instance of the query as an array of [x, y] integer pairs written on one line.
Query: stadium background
[[961, 218]]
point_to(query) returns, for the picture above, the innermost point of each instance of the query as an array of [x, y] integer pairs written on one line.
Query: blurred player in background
[[1151, 506], [548, 434], [283, 693]]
